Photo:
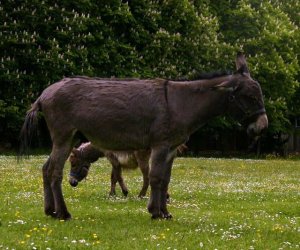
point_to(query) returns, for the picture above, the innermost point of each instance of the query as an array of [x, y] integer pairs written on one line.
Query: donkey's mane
[[205, 76], [83, 145], [89, 152], [211, 75], [194, 76]]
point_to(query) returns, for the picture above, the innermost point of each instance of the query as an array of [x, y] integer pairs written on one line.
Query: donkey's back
[[128, 110]]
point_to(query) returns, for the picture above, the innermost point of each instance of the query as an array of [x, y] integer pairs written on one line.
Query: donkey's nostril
[[73, 182]]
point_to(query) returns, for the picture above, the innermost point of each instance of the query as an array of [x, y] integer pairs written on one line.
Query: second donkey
[[82, 157]]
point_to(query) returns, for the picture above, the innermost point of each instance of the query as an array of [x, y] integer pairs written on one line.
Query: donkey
[[82, 157], [136, 114]]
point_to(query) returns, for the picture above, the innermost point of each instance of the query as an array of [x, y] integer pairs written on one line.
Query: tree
[[270, 38], [43, 41]]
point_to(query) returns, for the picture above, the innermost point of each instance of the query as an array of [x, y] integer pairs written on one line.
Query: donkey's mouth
[[73, 182], [257, 127]]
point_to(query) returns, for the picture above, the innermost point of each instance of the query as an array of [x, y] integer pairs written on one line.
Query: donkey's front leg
[[156, 174], [113, 182], [116, 176], [164, 188], [121, 180]]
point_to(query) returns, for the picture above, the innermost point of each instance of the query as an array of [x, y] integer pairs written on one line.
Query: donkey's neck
[[193, 103], [203, 83]]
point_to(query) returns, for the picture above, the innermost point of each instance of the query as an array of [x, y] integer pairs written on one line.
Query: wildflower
[[20, 222]]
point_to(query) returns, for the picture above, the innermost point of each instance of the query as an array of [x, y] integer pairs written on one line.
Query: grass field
[[216, 204]]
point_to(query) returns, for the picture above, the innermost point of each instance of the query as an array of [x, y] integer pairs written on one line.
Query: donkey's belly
[[122, 132], [118, 141], [126, 159]]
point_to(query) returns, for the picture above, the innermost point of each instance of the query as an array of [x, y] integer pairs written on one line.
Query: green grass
[[216, 204]]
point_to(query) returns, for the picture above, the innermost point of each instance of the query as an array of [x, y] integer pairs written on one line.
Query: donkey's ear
[[241, 64], [72, 156], [75, 152]]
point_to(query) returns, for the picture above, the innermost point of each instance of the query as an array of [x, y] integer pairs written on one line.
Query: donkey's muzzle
[[257, 127], [73, 182]]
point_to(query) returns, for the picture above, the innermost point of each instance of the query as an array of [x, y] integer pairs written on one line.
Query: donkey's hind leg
[[116, 174], [52, 176], [48, 195], [142, 158]]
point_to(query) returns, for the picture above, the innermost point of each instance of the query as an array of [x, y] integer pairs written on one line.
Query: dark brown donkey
[[82, 157], [132, 114]]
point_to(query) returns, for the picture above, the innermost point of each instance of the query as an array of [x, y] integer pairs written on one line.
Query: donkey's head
[[245, 99], [81, 159], [79, 168]]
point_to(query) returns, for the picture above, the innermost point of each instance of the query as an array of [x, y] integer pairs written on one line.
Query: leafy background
[[43, 41]]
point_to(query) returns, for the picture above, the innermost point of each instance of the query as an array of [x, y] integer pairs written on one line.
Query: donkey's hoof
[[53, 214], [156, 216], [112, 194], [167, 216], [142, 195], [64, 216], [125, 192], [50, 212]]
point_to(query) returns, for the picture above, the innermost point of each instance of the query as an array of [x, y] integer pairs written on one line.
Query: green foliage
[[43, 41], [270, 37], [216, 204]]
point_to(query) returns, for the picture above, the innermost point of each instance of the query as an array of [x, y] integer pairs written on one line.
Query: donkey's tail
[[29, 129]]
